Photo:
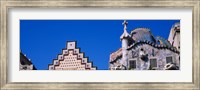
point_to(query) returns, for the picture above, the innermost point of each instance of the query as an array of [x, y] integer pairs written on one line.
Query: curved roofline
[[139, 28], [142, 28], [158, 46]]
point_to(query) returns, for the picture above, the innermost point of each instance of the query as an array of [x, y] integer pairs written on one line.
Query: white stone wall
[[171, 34], [177, 41], [70, 62], [159, 54], [124, 52]]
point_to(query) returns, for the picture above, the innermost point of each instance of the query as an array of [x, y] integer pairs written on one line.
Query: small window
[[153, 63], [153, 53], [169, 60], [132, 64]]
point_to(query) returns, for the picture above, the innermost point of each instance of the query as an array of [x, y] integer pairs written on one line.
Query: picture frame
[[4, 43]]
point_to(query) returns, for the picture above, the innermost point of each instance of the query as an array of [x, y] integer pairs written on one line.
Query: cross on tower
[[125, 33], [125, 23]]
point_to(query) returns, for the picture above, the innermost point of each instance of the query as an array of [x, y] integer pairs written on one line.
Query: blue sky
[[43, 40]]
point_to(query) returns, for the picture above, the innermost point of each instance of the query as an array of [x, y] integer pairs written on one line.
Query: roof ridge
[[139, 28], [154, 45]]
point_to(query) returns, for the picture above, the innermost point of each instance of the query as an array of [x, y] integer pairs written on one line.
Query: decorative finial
[[125, 33], [125, 23]]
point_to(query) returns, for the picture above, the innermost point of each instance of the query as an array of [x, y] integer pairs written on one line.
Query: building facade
[[25, 63], [142, 51], [71, 59]]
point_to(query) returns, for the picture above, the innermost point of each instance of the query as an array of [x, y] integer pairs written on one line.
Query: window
[[132, 64], [153, 63], [169, 60], [153, 54]]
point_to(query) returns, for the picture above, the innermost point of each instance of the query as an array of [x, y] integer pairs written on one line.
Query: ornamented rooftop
[[140, 36]]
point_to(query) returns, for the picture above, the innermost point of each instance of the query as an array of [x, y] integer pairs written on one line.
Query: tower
[[124, 39], [174, 36]]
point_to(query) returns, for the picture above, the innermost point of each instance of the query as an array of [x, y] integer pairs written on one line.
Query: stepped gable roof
[[66, 53], [142, 34]]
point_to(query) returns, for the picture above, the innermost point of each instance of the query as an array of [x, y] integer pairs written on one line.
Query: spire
[[124, 38], [125, 33], [125, 23]]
